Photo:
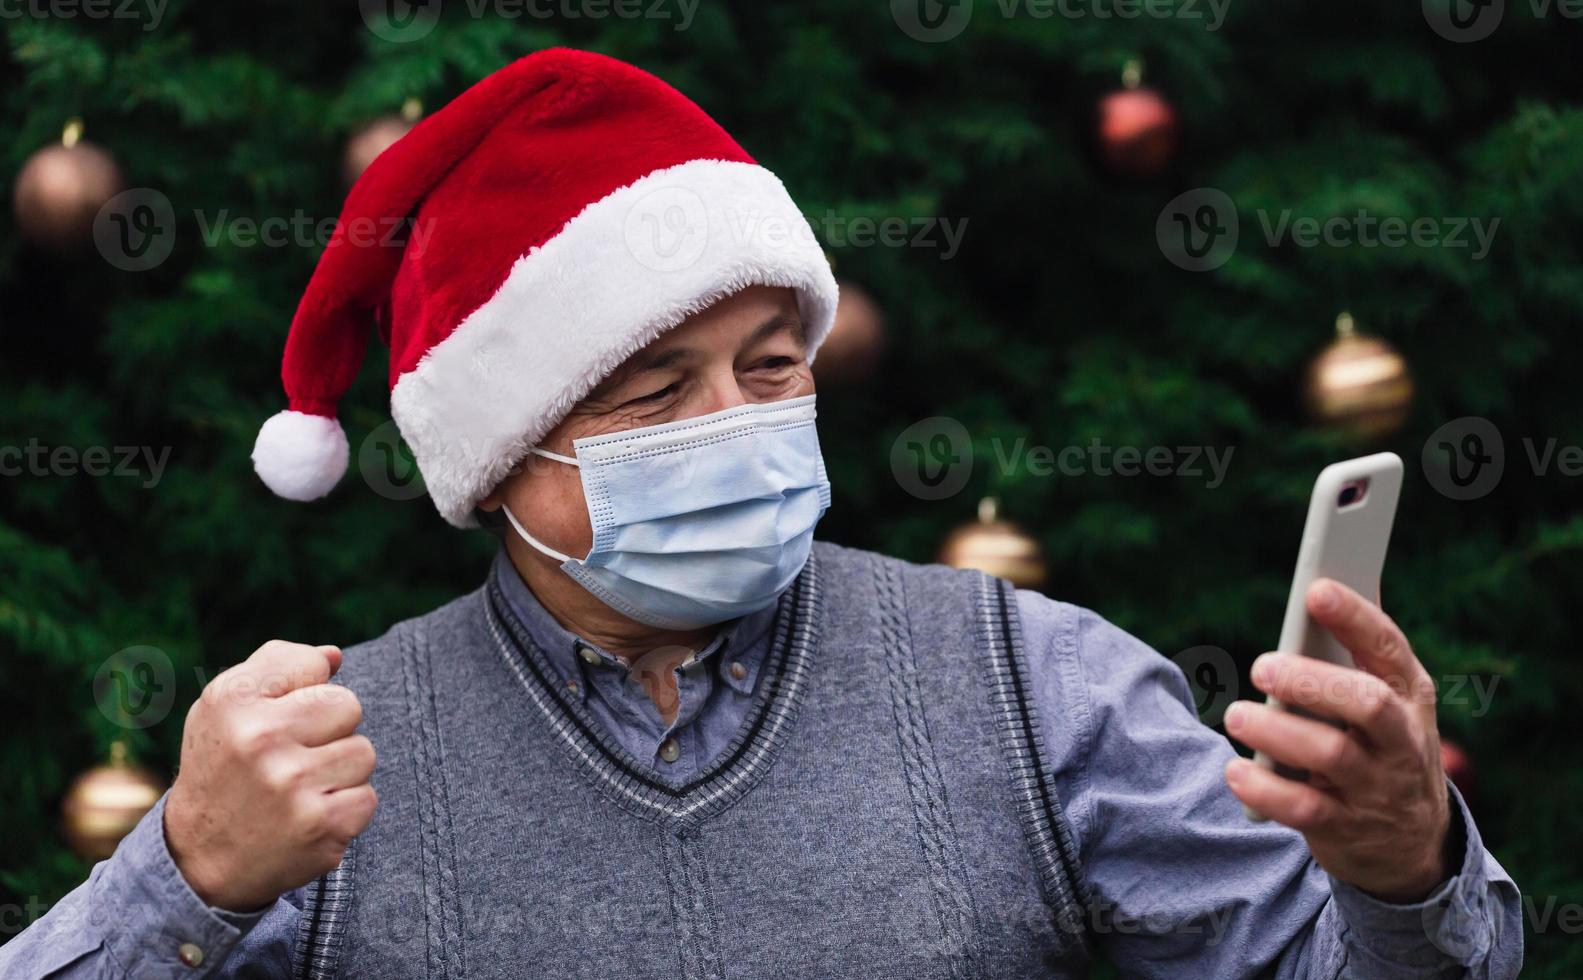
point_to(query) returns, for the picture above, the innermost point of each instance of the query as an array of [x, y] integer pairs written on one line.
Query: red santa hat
[[513, 249]]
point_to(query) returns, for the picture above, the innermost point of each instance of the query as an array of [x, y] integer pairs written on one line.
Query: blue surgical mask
[[698, 521]]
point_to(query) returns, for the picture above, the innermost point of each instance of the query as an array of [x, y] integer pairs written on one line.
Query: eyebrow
[[642, 363], [659, 360], [780, 322]]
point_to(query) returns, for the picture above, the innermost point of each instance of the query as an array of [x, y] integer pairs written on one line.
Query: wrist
[[206, 880], [1428, 874], [1413, 889]]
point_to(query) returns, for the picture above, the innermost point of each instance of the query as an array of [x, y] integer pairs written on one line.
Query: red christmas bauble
[[1458, 765], [1138, 132]]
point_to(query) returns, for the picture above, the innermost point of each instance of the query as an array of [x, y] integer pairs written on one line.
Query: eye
[[655, 396], [776, 363]]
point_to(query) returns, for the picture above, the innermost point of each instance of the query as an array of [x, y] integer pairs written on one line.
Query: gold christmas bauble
[[996, 547], [857, 341], [377, 137], [60, 190], [105, 803], [1359, 384]]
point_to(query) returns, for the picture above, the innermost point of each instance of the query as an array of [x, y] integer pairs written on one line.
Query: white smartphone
[[1348, 531]]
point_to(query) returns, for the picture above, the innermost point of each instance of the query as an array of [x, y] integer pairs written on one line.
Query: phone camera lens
[[1351, 493]]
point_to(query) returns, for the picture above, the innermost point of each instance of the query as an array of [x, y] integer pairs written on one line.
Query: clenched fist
[[274, 782]]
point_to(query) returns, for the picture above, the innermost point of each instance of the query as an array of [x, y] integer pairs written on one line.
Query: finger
[[343, 763], [279, 667], [319, 714], [1376, 642], [1299, 742], [349, 810], [1361, 700], [1297, 805]]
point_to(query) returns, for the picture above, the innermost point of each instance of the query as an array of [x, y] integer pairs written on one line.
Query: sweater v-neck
[[626, 780]]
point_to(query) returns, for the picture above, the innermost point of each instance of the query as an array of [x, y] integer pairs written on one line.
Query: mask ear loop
[[522, 531], [568, 460], [530, 539]]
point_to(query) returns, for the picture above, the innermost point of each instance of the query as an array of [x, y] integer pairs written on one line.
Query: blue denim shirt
[[1160, 834], [715, 687]]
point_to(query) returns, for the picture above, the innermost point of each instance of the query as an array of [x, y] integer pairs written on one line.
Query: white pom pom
[[300, 456]]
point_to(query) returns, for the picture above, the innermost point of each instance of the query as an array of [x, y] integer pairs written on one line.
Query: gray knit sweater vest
[[883, 813]]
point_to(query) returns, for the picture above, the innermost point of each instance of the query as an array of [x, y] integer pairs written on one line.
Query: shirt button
[[589, 655], [190, 954], [571, 685], [670, 750], [737, 670]]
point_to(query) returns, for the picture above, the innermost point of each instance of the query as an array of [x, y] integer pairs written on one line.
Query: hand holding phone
[[1348, 531]]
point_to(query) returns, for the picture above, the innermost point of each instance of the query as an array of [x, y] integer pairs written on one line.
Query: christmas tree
[[1065, 302]]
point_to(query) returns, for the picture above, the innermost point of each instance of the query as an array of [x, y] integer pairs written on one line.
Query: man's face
[[750, 347]]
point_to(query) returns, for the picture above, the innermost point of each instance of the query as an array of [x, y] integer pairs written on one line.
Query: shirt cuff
[[1455, 923], [150, 919]]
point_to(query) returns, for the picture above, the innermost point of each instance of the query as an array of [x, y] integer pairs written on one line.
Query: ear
[[491, 503]]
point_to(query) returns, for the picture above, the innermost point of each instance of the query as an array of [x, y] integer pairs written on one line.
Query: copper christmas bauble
[[996, 547], [1138, 130], [1359, 384], [856, 343], [61, 188], [105, 803], [377, 137]]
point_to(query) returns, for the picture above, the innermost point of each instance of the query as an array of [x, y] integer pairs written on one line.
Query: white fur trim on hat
[[300, 456], [622, 272]]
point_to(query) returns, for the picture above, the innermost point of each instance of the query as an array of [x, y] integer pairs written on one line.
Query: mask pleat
[[702, 521]]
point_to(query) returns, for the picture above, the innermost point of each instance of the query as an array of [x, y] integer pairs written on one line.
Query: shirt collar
[[745, 640]]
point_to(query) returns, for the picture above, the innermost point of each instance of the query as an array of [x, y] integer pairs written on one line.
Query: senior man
[[670, 735]]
